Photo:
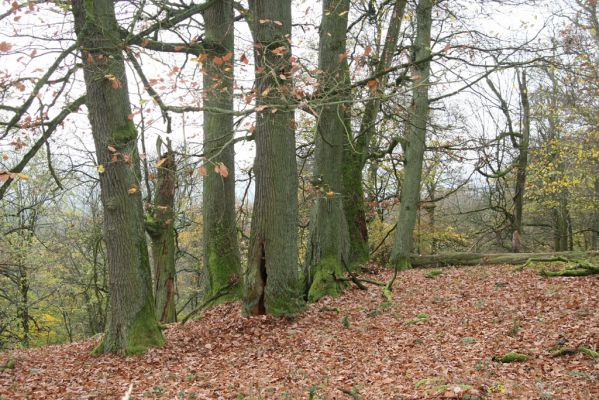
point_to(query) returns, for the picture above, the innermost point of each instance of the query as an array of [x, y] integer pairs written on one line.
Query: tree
[[357, 150], [160, 220], [272, 283], [520, 141], [132, 325], [327, 254], [415, 140], [221, 249]]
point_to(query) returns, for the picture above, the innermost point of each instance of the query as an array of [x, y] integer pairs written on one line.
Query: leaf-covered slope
[[438, 340]]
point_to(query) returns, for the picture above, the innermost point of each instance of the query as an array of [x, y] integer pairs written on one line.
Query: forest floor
[[438, 339]]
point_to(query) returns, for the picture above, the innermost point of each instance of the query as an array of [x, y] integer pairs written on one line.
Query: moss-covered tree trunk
[[272, 281], [221, 249], [328, 242], [415, 139], [160, 227], [356, 150], [132, 324], [522, 165]]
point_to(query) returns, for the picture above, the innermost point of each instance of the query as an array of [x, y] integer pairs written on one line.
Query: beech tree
[[132, 324], [272, 281]]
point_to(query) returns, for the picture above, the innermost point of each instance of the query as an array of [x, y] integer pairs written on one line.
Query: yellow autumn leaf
[[132, 190], [22, 176], [100, 169]]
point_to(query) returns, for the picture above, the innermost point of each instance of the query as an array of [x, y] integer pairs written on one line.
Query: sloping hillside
[[441, 338]]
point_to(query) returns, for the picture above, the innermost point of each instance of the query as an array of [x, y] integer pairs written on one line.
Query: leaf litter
[[438, 339]]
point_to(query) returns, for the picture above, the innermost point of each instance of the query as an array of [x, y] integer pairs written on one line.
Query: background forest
[[157, 157]]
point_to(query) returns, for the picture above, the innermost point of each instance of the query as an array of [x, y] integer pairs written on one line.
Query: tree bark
[[160, 228], [522, 165], [221, 249], [595, 223], [356, 150], [132, 324], [415, 141], [272, 283], [328, 243]]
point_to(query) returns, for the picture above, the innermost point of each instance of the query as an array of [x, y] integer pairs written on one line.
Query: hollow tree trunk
[[272, 283], [415, 139], [328, 243], [221, 249], [160, 228], [132, 324], [356, 150]]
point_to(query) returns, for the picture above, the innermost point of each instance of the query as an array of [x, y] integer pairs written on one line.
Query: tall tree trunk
[[356, 150], [328, 244], [561, 224], [522, 165], [24, 303], [160, 228], [132, 324], [415, 140], [272, 279], [595, 223], [221, 249]]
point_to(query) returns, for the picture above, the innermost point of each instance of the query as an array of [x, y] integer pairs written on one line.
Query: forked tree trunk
[[160, 227], [272, 283], [132, 324], [221, 249], [328, 243], [415, 139], [356, 150]]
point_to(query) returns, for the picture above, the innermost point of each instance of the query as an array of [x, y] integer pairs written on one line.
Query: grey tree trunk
[[522, 165], [272, 281], [415, 139], [221, 249], [160, 228], [328, 242], [356, 150], [132, 324]]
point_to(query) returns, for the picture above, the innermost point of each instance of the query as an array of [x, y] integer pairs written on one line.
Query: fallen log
[[446, 259]]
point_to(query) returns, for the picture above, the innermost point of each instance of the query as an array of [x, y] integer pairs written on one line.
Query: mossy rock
[[511, 357]]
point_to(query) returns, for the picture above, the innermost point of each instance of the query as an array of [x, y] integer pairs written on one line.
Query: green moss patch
[[511, 357], [324, 279]]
